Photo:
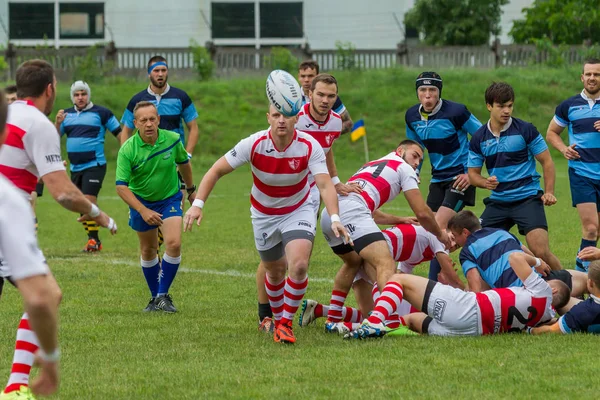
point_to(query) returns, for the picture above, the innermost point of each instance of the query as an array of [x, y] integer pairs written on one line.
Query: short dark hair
[[464, 220], [10, 89], [409, 142], [33, 77], [3, 111], [594, 273], [499, 92], [562, 295], [591, 61], [156, 58], [325, 78], [143, 104], [312, 64]]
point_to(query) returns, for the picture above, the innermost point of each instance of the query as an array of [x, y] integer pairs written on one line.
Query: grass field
[[211, 348]]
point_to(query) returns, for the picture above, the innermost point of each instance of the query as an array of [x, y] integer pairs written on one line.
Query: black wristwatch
[[191, 189]]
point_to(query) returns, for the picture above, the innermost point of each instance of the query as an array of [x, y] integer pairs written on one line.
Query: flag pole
[[366, 148]]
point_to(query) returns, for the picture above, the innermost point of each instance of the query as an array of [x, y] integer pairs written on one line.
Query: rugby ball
[[284, 93]]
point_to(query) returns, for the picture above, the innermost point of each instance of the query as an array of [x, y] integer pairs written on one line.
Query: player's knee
[[174, 245], [149, 252], [299, 267], [590, 230]]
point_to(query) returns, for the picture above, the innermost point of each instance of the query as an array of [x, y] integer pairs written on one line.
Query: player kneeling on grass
[[283, 217], [447, 311], [583, 316], [147, 181]]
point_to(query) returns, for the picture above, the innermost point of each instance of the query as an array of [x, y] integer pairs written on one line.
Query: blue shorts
[[584, 190], [169, 207]]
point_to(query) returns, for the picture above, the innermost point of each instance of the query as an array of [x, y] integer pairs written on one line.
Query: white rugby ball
[[284, 92]]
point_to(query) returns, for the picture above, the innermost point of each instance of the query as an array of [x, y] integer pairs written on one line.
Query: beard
[[593, 92], [157, 84]]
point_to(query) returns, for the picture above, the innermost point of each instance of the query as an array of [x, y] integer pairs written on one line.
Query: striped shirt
[[173, 105], [487, 250], [583, 317], [510, 157], [383, 179], [32, 146], [580, 113], [280, 176], [85, 131], [514, 309], [444, 133], [412, 245]]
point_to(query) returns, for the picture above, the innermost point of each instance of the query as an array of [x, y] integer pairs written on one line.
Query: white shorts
[[22, 250], [451, 311], [273, 232], [357, 218], [315, 197]]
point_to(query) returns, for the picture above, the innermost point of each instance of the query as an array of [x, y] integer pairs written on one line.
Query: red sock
[[336, 305], [350, 314], [387, 304], [26, 346], [321, 310], [393, 321], [292, 297], [375, 293], [275, 294]]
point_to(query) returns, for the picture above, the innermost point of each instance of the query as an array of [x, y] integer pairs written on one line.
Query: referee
[[147, 181]]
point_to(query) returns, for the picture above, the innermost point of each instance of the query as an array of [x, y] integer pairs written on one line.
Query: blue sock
[[151, 270], [581, 265], [169, 270], [434, 269]]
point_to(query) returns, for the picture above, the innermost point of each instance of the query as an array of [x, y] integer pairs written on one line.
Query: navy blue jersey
[[85, 135], [583, 317], [580, 113], [444, 133], [487, 250], [174, 106], [510, 157]]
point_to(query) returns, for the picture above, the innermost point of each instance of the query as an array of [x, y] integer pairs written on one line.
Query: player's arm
[[412, 135], [182, 160], [549, 172], [425, 215], [329, 196], [382, 218], [522, 264], [447, 267], [60, 117], [127, 122], [526, 250], [125, 134], [346, 122], [190, 117], [193, 135], [475, 281], [478, 180], [540, 330], [341, 188], [553, 136]]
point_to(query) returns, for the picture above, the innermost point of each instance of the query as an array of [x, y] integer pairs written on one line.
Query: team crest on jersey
[[167, 155], [329, 139], [294, 163]]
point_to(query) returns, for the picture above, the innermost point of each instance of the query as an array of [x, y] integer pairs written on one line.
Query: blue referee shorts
[[169, 207], [583, 189]]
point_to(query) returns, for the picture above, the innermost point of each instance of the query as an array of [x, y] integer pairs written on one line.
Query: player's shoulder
[[175, 92], [170, 136], [304, 137], [412, 114], [452, 109], [70, 110], [480, 133], [100, 110], [335, 115], [141, 96], [574, 101]]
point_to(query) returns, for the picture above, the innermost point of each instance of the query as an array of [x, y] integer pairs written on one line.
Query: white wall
[[512, 11]]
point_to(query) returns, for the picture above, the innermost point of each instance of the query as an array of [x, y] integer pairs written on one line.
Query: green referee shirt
[[150, 171]]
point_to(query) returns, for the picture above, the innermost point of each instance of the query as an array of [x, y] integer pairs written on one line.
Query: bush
[[205, 66], [88, 68], [282, 58], [345, 55]]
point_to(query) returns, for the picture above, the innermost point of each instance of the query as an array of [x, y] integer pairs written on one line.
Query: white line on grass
[[119, 261]]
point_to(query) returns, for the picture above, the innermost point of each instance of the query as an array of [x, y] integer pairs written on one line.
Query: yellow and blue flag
[[358, 130]]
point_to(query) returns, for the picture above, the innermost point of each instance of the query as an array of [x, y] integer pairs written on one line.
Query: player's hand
[[491, 183], [597, 125], [151, 217], [548, 199], [103, 220], [461, 182], [60, 117], [445, 239], [344, 189], [408, 220], [193, 213], [570, 153], [543, 269], [339, 230], [47, 380], [589, 254]]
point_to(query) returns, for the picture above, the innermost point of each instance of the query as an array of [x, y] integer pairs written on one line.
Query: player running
[[32, 151], [283, 215], [84, 124], [581, 114], [147, 181], [442, 127]]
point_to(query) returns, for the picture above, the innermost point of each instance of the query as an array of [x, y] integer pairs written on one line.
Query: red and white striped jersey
[[512, 309], [32, 146], [325, 133], [412, 244], [383, 179], [280, 177]]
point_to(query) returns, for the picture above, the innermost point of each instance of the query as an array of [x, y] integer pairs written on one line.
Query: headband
[[157, 64]]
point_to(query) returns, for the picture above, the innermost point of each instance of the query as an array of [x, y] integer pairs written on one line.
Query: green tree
[[456, 22], [562, 21]]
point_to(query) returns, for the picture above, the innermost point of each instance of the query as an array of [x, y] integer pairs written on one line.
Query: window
[[281, 20], [82, 20], [233, 20], [31, 20]]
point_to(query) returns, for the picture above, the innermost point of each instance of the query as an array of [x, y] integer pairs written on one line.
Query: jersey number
[[513, 312], [380, 166]]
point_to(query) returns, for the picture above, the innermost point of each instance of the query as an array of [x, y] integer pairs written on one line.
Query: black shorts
[[89, 181], [562, 275], [442, 194], [528, 214], [39, 189], [6, 278]]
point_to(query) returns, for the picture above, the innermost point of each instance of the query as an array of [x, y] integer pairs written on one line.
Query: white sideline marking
[[119, 261]]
